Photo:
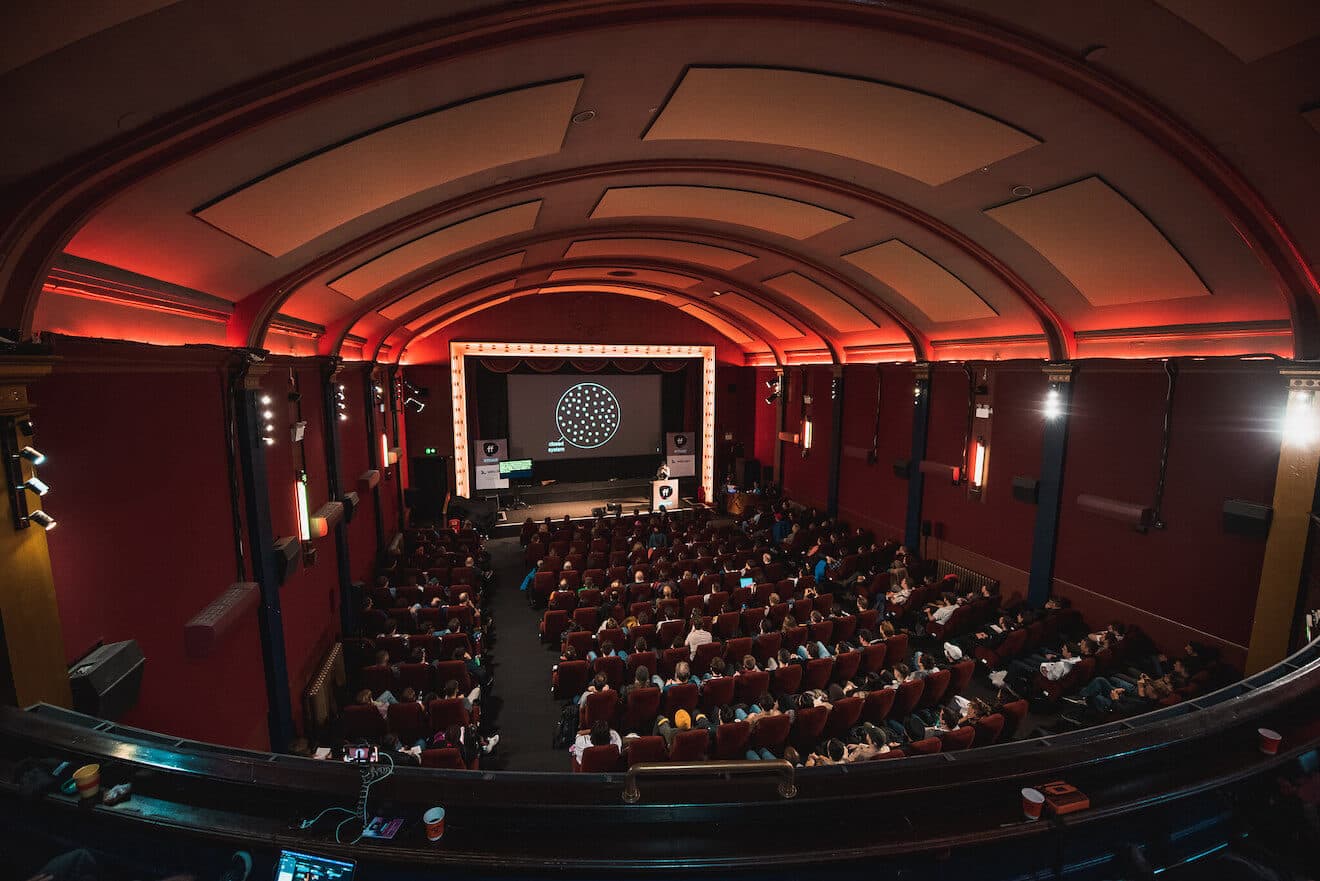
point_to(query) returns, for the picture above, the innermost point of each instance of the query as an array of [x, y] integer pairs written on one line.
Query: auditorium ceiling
[[817, 181]]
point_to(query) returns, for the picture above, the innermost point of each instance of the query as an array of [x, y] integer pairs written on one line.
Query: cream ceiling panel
[[819, 300], [915, 134], [761, 316], [453, 282], [667, 249], [929, 287], [1105, 246], [296, 204], [785, 217], [716, 322], [423, 251]]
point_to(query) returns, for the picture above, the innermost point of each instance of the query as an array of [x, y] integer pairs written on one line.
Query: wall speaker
[[351, 502], [368, 479], [211, 624], [1134, 515], [1247, 518], [903, 468], [106, 682], [1026, 489], [286, 552], [939, 469]]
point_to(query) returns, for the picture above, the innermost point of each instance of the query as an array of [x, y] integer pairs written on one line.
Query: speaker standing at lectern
[[663, 472]]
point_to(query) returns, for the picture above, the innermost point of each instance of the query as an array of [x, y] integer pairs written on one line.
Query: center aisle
[[521, 704]]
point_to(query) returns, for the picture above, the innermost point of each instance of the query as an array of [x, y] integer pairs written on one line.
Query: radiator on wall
[[320, 702], [968, 580]]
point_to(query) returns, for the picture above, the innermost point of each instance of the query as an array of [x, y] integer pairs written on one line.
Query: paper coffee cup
[[1269, 740], [1033, 801], [88, 780], [435, 823]]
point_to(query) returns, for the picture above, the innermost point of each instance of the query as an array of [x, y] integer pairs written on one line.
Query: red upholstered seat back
[[689, 746]]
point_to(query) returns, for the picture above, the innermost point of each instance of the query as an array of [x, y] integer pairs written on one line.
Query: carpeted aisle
[[520, 706]]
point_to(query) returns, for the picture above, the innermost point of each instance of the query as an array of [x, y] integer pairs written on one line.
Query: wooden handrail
[[780, 767]]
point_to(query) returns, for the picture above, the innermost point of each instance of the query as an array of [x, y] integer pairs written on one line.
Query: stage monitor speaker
[[597, 512], [903, 468], [106, 682], [1247, 518], [287, 551], [1026, 489], [614, 507]]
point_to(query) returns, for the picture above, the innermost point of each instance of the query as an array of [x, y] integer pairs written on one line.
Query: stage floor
[[577, 510]]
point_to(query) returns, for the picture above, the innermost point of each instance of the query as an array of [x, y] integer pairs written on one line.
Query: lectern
[[664, 492]]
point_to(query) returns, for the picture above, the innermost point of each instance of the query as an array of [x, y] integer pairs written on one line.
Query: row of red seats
[[422, 678], [408, 720]]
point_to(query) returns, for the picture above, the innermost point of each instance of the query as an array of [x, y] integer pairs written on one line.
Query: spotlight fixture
[[341, 402], [295, 397], [44, 520], [25, 426], [37, 485], [265, 400], [772, 384], [770, 399], [916, 392], [416, 404], [982, 451], [1053, 403], [36, 457], [1299, 422]]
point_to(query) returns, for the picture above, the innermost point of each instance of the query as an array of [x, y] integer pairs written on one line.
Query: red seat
[[453, 671], [681, 697], [905, 700], [731, 740], [651, 748], [586, 617], [818, 673], [363, 722], [878, 704], [808, 725], [689, 746], [448, 711], [553, 625], [844, 628], [873, 657], [736, 649], [846, 665], [896, 649], [640, 710], [770, 732], [597, 706], [821, 631], [706, 653], [925, 747], [582, 642], [409, 721], [988, 730], [786, 679], [599, 760], [443, 758], [750, 686], [419, 676], [728, 625], [959, 675], [612, 667], [571, 679], [937, 684], [717, 692], [378, 678], [795, 638], [766, 646], [843, 716], [671, 659], [642, 659], [1013, 714], [958, 739]]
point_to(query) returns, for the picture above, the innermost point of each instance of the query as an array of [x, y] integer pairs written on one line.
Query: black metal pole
[[916, 482], [329, 404]]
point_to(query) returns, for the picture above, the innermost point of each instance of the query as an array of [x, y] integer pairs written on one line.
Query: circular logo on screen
[[680, 440], [491, 448], [666, 492], [587, 415]]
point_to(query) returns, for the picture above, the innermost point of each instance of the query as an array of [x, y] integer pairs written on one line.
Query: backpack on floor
[[568, 728]]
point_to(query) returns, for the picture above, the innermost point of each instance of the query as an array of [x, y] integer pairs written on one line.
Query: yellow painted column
[[34, 664], [1285, 549]]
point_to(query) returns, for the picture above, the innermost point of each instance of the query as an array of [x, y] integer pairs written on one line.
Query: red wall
[[805, 477], [353, 461], [871, 495], [1225, 444], [991, 531], [764, 427], [139, 483]]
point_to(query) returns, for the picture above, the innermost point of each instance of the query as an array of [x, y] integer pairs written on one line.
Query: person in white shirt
[[942, 612], [1057, 669], [699, 635], [601, 734]]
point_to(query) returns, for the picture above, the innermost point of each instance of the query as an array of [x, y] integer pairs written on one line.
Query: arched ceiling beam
[[793, 314], [51, 208], [496, 298]]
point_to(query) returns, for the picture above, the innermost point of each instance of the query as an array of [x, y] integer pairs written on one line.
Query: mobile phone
[[362, 754]]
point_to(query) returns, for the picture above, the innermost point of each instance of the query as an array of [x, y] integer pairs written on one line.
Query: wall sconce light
[[384, 451], [806, 435], [1053, 403], [35, 457], [980, 453], [44, 520], [13, 459], [267, 421], [1299, 419], [37, 485], [300, 500]]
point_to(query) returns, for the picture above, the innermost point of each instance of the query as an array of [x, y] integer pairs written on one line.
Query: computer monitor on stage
[[516, 468]]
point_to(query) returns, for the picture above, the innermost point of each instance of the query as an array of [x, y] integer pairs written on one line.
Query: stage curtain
[[492, 401], [631, 365], [590, 365], [500, 365], [672, 365], [545, 365]]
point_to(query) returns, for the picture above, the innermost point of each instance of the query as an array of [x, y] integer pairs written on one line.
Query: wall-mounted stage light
[[772, 384], [26, 427], [807, 434], [384, 450], [1053, 403], [980, 453], [1299, 419], [341, 402], [44, 520], [34, 456], [267, 421], [300, 500], [37, 485], [770, 399], [419, 406]]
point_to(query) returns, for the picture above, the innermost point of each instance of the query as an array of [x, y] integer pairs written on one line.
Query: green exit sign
[[430, 451]]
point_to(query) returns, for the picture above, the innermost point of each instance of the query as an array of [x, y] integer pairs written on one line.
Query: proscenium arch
[[496, 298], [413, 281], [256, 316], [39, 230]]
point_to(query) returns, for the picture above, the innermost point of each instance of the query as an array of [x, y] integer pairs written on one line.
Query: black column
[[256, 498], [916, 483], [395, 406], [780, 415], [836, 440], [1050, 489], [373, 454], [330, 407]]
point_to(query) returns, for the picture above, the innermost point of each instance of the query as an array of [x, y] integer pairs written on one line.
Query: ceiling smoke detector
[[1022, 190], [584, 116]]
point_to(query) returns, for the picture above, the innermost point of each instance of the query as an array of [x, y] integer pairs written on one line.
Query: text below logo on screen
[[587, 416]]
